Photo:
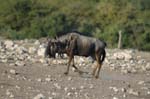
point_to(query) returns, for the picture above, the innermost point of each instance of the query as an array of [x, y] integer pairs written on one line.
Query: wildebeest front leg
[[94, 70], [70, 59], [99, 67]]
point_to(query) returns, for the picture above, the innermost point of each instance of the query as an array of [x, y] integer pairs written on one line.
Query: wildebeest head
[[51, 48]]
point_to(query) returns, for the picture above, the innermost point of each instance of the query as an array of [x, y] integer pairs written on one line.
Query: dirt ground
[[27, 82]]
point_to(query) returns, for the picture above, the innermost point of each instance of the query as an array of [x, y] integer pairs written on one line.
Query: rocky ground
[[26, 74]]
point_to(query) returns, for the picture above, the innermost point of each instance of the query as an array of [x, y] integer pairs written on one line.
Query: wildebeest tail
[[103, 55]]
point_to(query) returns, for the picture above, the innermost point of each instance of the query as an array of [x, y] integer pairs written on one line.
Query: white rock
[[66, 88], [16, 46], [12, 71], [122, 56], [57, 86], [8, 44], [124, 95], [32, 50], [148, 92], [125, 71], [39, 80], [11, 96], [69, 94], [41, 52], [118, 56], [39, 96], [123, 90], [42, 60], [69, 78], [131, 91], [115, 98], [4, 60], [54, 93], [50, 98], [114, 89], [37, 42], [147, 66], [82, 87], [141, 82], [20, 63], [48, 79], [8, 92], [21, 50]]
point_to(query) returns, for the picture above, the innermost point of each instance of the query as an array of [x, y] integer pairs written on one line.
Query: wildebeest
[[76, 44], [52, 48]]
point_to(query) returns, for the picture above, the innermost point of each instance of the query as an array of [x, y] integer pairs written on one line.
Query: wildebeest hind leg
[[98, 67], [94, 70]]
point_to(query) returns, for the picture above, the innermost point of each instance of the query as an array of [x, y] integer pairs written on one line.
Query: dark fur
[[76, 44], [52, 48]]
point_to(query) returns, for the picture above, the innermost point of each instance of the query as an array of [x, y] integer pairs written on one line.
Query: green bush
[[20, 19]]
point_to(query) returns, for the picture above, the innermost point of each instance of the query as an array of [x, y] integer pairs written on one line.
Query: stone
[[69, 78], [141, 82], [50, 98], [124, 95], [4, 60], [147, 66], [41, 52], [54, 93], [114, 89], [32, 50], [39, 96], [69, 94], [148, 92], [37, 42], [21, 50], [115, 98], [48, 79], [57, 86], [131, 91], [82, 87], [66, 88], [8, 92], [39, 80], [122, 56], [123, 90], [8, 44], [12, 71], [19, 63]]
